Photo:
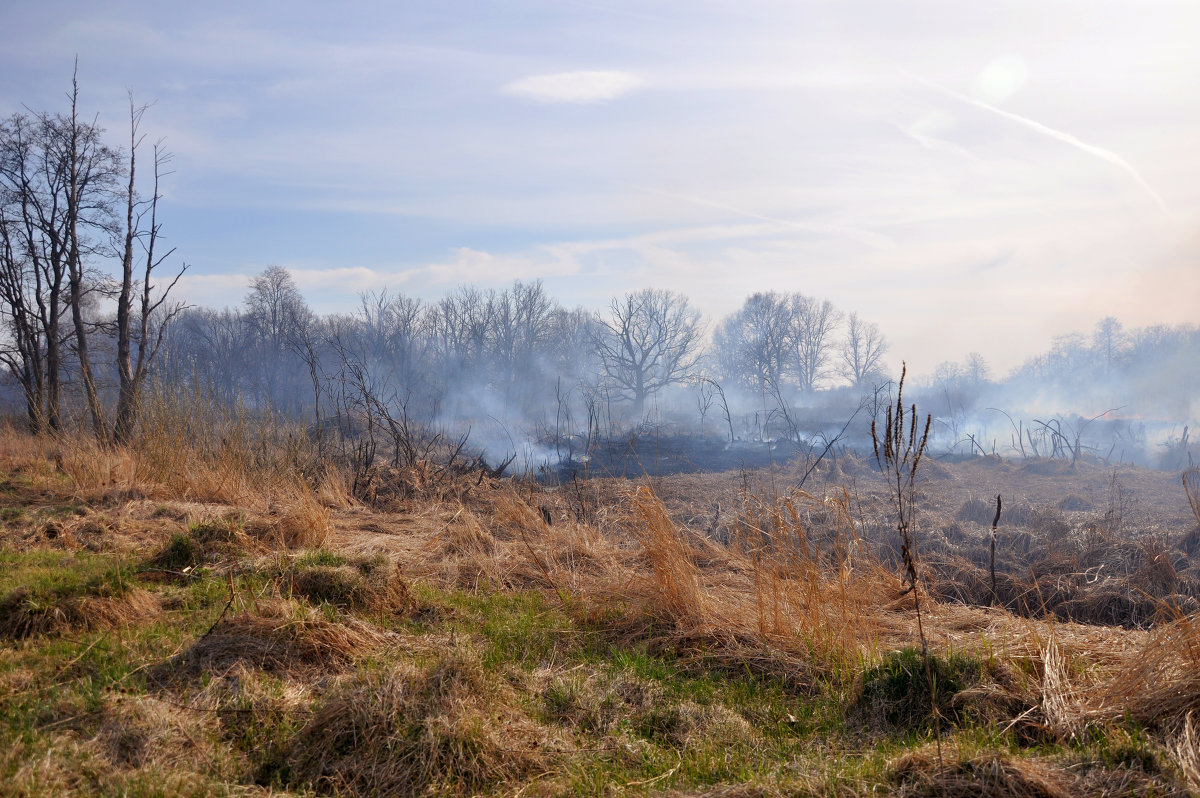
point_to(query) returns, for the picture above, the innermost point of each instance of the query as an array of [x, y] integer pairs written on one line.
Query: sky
[[973, 177]]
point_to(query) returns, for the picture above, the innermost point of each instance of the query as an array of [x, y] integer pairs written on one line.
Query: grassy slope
[[457, 644]]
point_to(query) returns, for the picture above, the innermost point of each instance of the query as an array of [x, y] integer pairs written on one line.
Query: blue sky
[[971, 176]]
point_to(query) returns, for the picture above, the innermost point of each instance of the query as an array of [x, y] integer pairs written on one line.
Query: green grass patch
[[903, 692], [321, 557]]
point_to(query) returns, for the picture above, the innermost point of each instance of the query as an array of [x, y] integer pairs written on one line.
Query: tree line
[[507, 353]]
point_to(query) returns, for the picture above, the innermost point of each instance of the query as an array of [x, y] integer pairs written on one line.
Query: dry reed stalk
[[1183, 746], [1060, 703], [1191, 486]]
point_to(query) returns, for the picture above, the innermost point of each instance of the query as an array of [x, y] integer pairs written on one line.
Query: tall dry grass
[[188, 447]]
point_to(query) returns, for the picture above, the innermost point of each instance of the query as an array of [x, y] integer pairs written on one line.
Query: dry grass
[[985, 775], [193, 451], [404, 731], [793, 590], [375, 586], [148, 732], [279, 636], [23, 613], [301, 522]]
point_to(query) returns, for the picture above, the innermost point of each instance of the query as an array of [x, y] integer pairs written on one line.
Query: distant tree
[[210, 351], [275, 307], [521, 324], [815, 323], [975, 370], [571, 353], [648, 340], [461, 323], [277, 317], [394, 336], [862, 350], [754, 345], [1109, 342]]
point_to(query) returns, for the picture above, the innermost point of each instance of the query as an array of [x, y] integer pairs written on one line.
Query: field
[[230, 621]]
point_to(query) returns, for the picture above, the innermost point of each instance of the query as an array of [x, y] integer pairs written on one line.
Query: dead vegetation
[[715, 634], [278, 636], [404, 731], [26, 613]]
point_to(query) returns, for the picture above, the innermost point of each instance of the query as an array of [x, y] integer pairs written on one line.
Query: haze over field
[[973, 178]]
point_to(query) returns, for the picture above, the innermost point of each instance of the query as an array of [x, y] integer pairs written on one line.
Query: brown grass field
[[227, 619]]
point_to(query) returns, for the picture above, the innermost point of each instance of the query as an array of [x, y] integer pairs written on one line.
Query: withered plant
[[898, 458]]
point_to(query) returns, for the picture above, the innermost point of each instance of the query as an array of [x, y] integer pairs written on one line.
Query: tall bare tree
[[141, 229], [32, 269], [91, 170], [277, 315], [57, 189]]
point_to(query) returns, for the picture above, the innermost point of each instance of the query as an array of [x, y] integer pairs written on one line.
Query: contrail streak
[[1091, 149], [864, 236]]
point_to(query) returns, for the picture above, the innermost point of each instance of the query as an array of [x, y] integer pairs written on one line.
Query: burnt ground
[[1084, 541]]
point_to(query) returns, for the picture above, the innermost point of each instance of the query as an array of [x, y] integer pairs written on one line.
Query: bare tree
[[141, 229], [461, 323], [521, 323], [815, 322], [57, 191], [91, 170], [277, 313], [395, 333], [755, 345], [32, 269], [1109, 342], [976, 370], [862, 351], [648, 340]]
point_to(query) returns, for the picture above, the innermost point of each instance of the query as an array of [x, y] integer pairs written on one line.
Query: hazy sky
[[971, 176]]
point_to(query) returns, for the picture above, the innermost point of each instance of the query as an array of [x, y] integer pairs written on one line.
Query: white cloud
[[574, 87]]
